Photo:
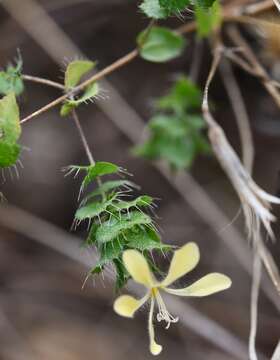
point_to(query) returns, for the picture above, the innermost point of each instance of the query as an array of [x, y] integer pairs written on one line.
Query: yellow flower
[[184, 260]]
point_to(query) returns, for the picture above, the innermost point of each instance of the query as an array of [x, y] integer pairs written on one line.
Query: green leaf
[[141, 201], [160, 44], [10, 131], [9, 153], [204, 3], [11, 80], [91, 210], [75, 71], [208, 19], [145, 239], [174, 6], [110, 250], [183, 95], [170, 125], [91, 92], [10, 128], [152, 9], [114, 227], [112, 185], [122, 275], [100, 168]]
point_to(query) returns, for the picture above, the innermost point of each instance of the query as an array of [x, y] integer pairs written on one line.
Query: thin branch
[[257, 272], [43, 81], [83, 137], [106, 71], [239, 41]]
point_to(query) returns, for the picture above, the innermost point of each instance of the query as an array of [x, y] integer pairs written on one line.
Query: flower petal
[[126, 305], [155, 348], [183, 261], [138, 268], [207, 285]]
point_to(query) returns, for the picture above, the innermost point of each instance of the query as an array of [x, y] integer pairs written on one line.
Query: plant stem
[[42, 81], [109, 69], [83, 137]]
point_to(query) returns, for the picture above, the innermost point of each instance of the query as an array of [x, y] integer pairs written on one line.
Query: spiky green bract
[[10, 131], [73, 75], [118, 221], [176, 129], [11, 80]]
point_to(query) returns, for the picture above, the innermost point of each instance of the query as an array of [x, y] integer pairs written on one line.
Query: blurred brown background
[[44, 313]]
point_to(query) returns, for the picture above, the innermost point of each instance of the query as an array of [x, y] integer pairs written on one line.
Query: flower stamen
[[163, 314]]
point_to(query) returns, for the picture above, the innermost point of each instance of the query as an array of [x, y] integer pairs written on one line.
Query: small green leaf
[[100, 168], [91, 92], [110, 250], [145, 239], [152, 9], [9, 153], [160, 44], [112, 228], [121, 274], [208, 19], [141, 201], [183, 95], [174, 6], [11, 80], [10, 128], [75, 71], [111, 185]]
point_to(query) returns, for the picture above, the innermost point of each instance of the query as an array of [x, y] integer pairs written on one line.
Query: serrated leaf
[[208, 19], [75, 71], [110, 250], [91, 92], [10, 128], [141, 201], [114, 227], [9, 153], [122, 275], [160, 44], [111, 185], [145, 239], [100, 168], [174, 6], [152, 9]]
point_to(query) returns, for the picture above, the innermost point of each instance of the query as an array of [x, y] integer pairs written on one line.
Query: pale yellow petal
[[126, 305], [155, 348], [138, 268], [207, 285], [183, 261]]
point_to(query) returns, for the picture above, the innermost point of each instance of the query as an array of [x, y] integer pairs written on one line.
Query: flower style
[[184, 260]]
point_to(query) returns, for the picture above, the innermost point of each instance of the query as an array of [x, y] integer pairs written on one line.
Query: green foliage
[[10, 79], [116, 224], [173, 6], [75, 71], [152, 9], [176, 130], [161, 9], [73, 75], [10, 131], [208, 19], [160, 44]]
